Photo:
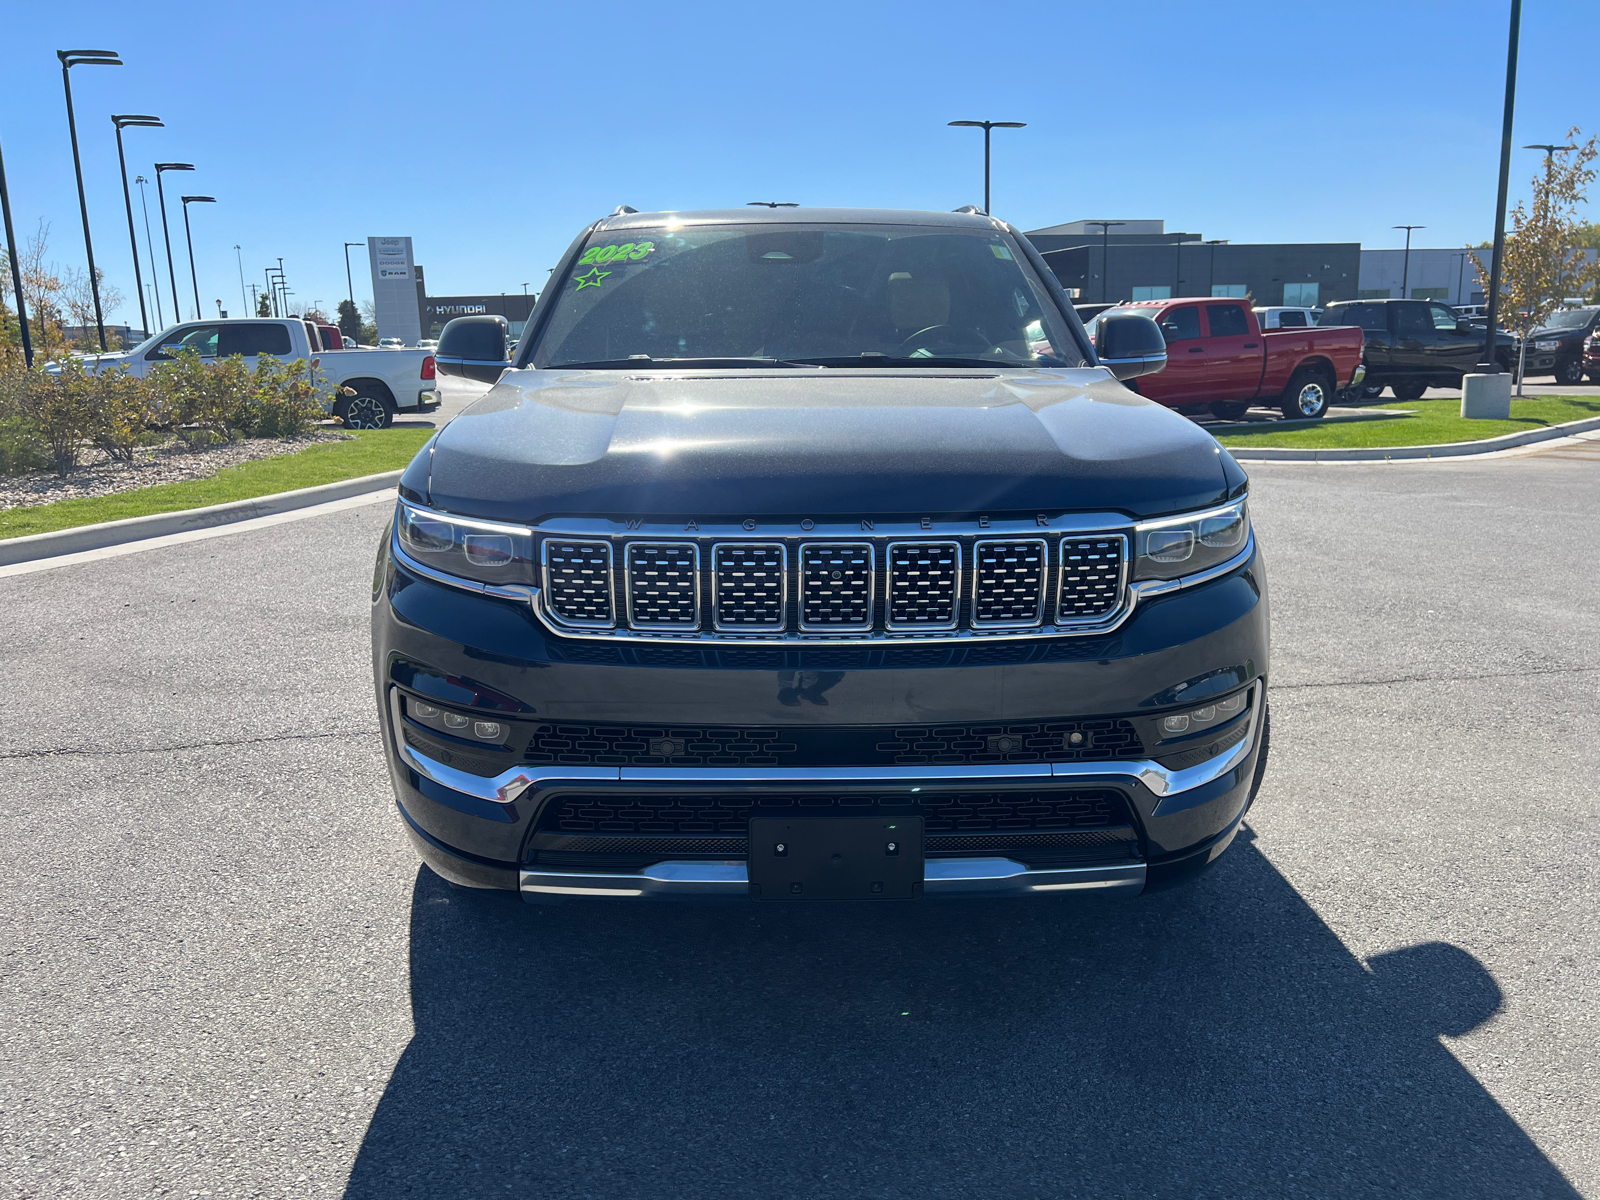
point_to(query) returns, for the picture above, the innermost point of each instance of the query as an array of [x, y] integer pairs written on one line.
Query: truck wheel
[[1570, 372], [1409, 389], [1308, 395], [1372, 391], [366, 410], [1230, 410]]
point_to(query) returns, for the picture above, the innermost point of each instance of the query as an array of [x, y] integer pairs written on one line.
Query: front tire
[[366, 410], [1308, 395], [1230, 410], [1569, 373], [1409, 389]]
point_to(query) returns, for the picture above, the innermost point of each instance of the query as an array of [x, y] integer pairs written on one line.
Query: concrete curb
[[134, 529], [1381, 454]]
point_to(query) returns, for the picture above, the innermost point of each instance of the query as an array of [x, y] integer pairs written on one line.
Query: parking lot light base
[[1486, 397]]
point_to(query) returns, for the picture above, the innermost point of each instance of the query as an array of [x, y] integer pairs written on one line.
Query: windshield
[[824, 295], [1575, 318]]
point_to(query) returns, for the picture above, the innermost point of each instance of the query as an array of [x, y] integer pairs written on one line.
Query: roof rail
[[971, 209], [622, 210]]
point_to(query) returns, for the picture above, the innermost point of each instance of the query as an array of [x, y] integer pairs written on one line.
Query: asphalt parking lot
[[226, 975]]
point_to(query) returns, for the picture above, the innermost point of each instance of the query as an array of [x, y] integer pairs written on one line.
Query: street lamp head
[[1408, 227], [160, 167], [88, 58], [198, 199], [124, 120], [990, 124], [771, 204]]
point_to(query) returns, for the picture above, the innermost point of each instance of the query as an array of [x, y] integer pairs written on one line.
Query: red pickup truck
[[1217, 355]]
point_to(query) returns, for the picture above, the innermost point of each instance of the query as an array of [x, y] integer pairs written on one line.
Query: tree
[[41, 288], [79, 301], [349, 320], [1541, 263], [263, 305]]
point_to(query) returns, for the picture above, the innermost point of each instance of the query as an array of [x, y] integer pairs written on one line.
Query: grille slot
[[1092, 571], [663, 585], [836, 586], [607, 816], [1008, 583], [924, 585], [1100, 739], [750, 586], [577, 582]]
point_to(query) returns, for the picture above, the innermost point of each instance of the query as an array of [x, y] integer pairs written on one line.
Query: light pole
[[986, 126], [272, 290], [16, 266], [1491, 338], [1105, 253], [1405, 271], [166, 233], [122, 121], [150, 247], [85, 58], [187, 237], [243, 299], [1461, 274], [349, 283], [524, 289]]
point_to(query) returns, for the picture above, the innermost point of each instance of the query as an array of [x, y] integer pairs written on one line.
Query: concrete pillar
[[1486, 397]]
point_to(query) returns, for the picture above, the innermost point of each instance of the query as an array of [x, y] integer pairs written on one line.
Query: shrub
[[62, 407], [289, 400], [126, 411]]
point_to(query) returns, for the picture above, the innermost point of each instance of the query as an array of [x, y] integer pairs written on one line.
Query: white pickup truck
[[384, 381]]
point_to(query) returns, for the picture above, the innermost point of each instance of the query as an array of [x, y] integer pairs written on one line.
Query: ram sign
[[394, 288]]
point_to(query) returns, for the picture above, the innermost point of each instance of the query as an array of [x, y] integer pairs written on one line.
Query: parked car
[[869, 581], [1218, 357], [1088, 312], [1556, 347], [1413, 345], [1591, 357], [391, 343], [399, 381], [428, 344], [1280, 317], [332, 339]]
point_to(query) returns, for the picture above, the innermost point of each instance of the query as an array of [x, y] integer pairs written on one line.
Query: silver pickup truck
[[384, 381]]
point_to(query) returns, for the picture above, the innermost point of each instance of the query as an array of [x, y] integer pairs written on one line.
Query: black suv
[[814, 556], [1556, 347], [1412, 345]]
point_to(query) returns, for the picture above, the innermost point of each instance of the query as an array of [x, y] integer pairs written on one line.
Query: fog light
[[1175, 724], [489, 731], [454, 721], [426, 711]]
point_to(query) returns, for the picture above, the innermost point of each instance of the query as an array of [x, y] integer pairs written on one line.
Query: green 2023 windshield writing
[[627, 252]]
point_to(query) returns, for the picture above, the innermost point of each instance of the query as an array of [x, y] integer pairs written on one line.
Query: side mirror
[[1463, 325], [473, 348], [1129, 345]]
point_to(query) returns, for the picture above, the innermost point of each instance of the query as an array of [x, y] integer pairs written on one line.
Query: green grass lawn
[[1434, 422], [370, 452]]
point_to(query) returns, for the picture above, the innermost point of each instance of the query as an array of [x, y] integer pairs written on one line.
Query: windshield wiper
[[892, 360], [644, 360]]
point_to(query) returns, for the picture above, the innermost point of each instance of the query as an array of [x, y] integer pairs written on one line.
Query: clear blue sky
[[491, 132]]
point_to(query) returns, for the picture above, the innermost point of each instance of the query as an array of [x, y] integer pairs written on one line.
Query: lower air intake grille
[[748, 578], [1091, 577], [577, 579], [924, 585], [708, 814], [1008, 583], [663, 591]]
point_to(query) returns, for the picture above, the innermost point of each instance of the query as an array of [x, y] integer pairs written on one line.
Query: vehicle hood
[[1545, 335], [794, 444]]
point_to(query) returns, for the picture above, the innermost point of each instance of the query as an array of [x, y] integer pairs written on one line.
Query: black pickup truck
[[813, 556], [1412, 345]]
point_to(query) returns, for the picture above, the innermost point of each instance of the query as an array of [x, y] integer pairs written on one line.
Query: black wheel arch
[[367, 386]]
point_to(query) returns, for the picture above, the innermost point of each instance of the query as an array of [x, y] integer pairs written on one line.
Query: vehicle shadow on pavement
[[1212, 1041]]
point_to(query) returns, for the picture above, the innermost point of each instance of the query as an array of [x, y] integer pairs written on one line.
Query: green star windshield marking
[[592, 279]]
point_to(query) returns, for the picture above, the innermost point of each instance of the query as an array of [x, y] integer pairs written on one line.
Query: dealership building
[[1140, 260]]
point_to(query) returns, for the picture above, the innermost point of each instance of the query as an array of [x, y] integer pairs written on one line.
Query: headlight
[[1177, 546], [1547, 345], [484, 551]]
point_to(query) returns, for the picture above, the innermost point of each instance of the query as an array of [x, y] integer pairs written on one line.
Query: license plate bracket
[[836, 858]]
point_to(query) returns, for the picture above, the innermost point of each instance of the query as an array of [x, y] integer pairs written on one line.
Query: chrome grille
[[577, 581], [1092, 572], [663, 585], [749, 585], [836, 586], [1008, 583], [924, 585]]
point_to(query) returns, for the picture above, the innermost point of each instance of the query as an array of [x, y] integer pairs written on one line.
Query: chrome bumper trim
[[509, 785], [941, 877]]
